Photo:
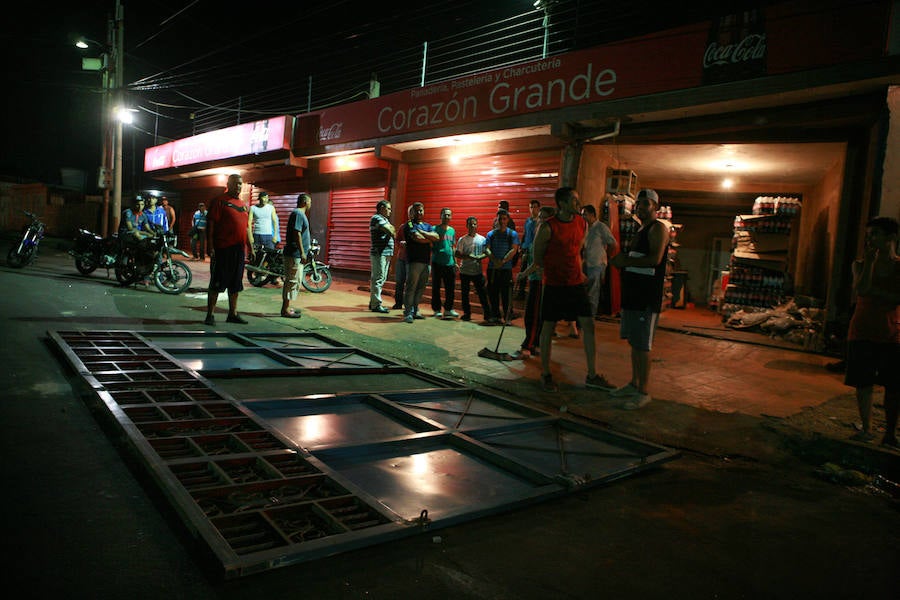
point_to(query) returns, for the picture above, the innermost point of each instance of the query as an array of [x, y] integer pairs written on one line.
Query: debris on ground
[[837, 474], [795, 322]]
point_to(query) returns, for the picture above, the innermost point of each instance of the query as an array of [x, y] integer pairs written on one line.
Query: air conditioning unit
[[622, 182]]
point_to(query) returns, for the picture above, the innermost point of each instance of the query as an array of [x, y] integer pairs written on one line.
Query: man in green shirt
[[443, 268]]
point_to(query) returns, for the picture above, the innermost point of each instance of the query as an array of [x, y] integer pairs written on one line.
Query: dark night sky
[[53, 110], [53, 120]]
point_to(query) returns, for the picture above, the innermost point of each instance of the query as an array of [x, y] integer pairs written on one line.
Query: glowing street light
[[113, 69]]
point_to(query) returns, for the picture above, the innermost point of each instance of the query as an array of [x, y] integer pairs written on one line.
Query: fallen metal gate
[[282, 448]]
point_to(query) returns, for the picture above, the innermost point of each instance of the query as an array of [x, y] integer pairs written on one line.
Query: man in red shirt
[[557, 250], [226, 233]]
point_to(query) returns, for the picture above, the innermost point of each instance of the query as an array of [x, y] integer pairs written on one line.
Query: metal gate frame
[[263, 489]]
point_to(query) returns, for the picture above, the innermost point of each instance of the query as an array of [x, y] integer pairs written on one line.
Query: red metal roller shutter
[[348, 226], [474, 186]]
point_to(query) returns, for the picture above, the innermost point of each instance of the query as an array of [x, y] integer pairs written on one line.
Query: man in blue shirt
[[295, 252], [134, 224], [502, 247], [531, 224]]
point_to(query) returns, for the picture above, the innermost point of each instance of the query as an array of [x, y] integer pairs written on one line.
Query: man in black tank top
[[643, 271]]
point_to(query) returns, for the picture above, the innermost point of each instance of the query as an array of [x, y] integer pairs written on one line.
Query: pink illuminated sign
[[240, 140]]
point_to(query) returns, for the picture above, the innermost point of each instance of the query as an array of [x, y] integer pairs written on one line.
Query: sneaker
[[598, 381], [418, 315], [236, 318], [547, 383], [624, 391], [636, 402], [210, 320], [396, 306], [408, 319], [451, 314], [467, 317], [862, 436], [380, 309], [438, 314]]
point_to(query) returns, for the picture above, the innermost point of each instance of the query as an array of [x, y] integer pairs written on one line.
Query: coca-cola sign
[[752, 47], [332, 132], [736, 48]]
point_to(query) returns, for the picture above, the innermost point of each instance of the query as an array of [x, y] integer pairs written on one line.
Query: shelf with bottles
[[779, 206], [738, 297], [757, 277], [755, 284]]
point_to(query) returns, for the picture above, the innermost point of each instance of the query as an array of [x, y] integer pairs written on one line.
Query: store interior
[[705, 189]]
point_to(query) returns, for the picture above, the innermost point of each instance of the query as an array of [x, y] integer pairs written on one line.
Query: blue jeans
[[415, 287], [380, 266]]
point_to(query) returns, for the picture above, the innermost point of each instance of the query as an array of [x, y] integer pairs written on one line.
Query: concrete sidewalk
[[715, 396]]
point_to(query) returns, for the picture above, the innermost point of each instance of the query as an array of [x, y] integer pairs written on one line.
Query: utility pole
[[118, 55], [103, 176]]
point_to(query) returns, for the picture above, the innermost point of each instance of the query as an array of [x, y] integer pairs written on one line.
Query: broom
[[495, 354]]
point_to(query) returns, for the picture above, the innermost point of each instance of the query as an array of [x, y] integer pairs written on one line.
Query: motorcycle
[[25, 250], [92, 251], [151, 258], [266, 266]]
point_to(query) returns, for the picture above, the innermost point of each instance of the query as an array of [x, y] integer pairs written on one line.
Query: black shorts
[[226, 270], [565, 303], [870, 363]]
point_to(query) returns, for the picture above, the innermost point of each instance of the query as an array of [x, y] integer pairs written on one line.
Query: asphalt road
[[82, 520]]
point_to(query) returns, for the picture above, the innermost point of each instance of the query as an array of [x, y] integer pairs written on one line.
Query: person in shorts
[[558, 245], [643, 274], [296, 253], [873, 340], [226, 231]]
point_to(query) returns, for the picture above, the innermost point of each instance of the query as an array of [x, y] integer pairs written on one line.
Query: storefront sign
[[240, 140], [783, 38], [605, 73]]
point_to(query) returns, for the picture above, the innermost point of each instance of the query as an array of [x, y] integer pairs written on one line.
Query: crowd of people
[[562, 258]]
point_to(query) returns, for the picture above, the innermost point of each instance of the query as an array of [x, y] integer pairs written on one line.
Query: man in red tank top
[[557, 249]]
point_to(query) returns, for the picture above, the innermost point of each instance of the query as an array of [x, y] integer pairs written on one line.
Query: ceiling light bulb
[[727, 183]]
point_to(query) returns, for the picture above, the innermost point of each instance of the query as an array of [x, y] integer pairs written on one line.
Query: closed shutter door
[[348, 226], [284, 205], [474, 186]]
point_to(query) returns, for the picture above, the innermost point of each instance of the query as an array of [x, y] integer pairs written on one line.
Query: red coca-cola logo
[[332, 132], [752, 47]]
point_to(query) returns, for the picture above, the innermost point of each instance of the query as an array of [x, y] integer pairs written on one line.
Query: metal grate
[[267, 480]]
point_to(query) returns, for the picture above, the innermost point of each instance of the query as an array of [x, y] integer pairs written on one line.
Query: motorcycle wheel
[[14, 259], [317, 281], [260, 279], [126, 268], [174, 279], [84, 266]]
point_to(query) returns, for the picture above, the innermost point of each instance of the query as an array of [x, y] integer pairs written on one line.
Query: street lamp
[[113, 69]]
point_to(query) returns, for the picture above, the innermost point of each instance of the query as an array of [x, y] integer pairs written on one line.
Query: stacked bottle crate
[[758, 275]]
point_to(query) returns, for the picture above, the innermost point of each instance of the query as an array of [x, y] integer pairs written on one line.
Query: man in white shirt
[[470, 254], [598, 245], [263, 227]]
